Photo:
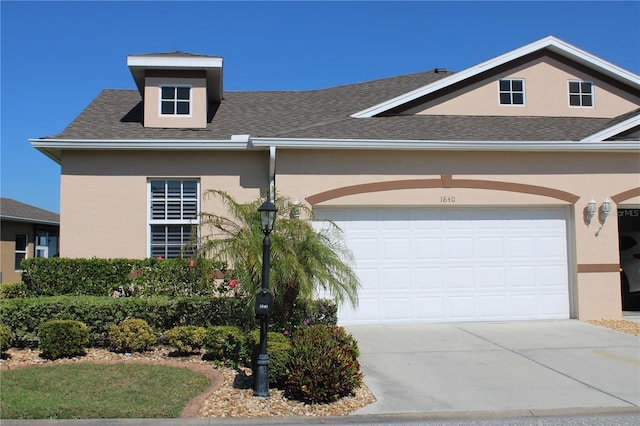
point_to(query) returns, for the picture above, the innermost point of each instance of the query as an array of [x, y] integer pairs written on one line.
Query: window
[[175, 100], [511, 91], [580, 93], [21, 250], [173, 215]]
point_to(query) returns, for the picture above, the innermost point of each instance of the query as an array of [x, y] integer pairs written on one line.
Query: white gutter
[[29, 220], [272, 173], [446, 145], [52, 147]]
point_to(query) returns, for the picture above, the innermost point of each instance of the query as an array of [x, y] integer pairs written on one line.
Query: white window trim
[[175, 114], [151, 221], [25, 251], [593, 94], [524, 93]]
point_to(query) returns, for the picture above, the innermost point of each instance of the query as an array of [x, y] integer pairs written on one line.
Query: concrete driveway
[[473, 367]]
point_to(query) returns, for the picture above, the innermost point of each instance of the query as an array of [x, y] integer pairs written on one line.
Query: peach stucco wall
[[546, 94], [104, 196], [103, 203]]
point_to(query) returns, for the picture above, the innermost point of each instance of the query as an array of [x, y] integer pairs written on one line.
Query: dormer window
[[511, 91], [175, 100], [580, 93]]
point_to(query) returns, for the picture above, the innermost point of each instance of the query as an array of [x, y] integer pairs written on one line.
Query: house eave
[[449, 145], [614, 130], [29, 220], [53, 148]]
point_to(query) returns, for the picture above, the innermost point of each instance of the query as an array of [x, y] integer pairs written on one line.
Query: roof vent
[[439, 70]]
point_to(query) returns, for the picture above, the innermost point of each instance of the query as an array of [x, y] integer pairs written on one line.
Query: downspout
[[272, 173]]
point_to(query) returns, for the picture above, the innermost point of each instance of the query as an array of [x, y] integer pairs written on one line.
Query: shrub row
[[124, 277], [24, 315]]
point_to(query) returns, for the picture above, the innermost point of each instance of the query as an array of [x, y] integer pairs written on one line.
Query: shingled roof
[[325, 113], [21, 212]]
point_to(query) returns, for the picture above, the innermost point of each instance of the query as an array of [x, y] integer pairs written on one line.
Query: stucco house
[[27, 231], [499, 192]]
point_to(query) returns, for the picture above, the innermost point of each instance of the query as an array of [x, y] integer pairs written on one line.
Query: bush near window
[[62, 338], [322, 365], [123, 277], [24, 315], [6, 338], [12, 290], [132, 335], [226, 345], [278, 348], [187, 338]]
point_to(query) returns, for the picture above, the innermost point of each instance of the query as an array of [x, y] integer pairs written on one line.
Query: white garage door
[[455, 264]]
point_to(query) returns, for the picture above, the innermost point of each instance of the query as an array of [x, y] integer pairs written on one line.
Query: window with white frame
[[22, 240], [580, 93], [511, 91], [173, 217], [175, 100]]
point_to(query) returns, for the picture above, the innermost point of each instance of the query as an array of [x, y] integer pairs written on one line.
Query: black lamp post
[[264, 301]]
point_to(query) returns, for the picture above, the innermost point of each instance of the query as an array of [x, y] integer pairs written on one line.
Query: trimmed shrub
[[187, 338], [303, 314], [278, 348], [12, 290], [132, 335], [62, 338], [322, 365], [226, 345], [24, 315], [6, 338]]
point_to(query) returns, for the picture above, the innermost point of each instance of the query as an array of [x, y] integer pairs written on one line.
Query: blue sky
[[57, 56]]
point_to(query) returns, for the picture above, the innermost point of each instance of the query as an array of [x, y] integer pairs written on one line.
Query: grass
[[93, 391]]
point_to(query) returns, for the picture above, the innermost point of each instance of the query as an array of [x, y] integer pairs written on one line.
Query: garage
[[419, 264]]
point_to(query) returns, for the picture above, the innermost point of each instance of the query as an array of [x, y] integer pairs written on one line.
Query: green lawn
[[94, 391]]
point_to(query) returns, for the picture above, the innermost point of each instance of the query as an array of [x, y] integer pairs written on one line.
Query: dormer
[[179, 90]]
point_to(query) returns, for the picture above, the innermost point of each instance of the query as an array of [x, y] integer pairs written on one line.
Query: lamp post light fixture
[[264, 301]]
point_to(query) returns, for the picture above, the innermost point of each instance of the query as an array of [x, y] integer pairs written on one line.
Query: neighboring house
[[494, 193], [27, 232]]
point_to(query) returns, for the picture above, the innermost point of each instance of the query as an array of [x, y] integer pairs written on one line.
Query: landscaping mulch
[[229, 395]]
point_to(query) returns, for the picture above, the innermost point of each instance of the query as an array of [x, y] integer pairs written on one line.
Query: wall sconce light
[[590, 211], [605, 211]]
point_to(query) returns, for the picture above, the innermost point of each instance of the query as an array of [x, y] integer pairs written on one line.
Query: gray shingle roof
[[325, 113], [15, 210]]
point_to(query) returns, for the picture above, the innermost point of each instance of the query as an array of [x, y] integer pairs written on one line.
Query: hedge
[[125, 277], [24, 315]]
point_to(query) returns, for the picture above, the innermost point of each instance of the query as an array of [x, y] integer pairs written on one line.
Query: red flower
[[233, 283], [159, 257], [191, 263]]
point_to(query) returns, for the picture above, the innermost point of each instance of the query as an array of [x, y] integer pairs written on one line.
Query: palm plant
[[305, 261]]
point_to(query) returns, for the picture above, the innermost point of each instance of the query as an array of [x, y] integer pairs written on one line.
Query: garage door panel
[[429, 308], [491, 278], [427, 249], [456, 264], [398, 309], [396, 249], [459, 278], [492, 307], [428, 279], [459, 248], [397, 279], [461, 308]]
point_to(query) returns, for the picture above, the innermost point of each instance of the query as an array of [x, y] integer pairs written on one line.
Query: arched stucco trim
[[445, 181], [626, 195]]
